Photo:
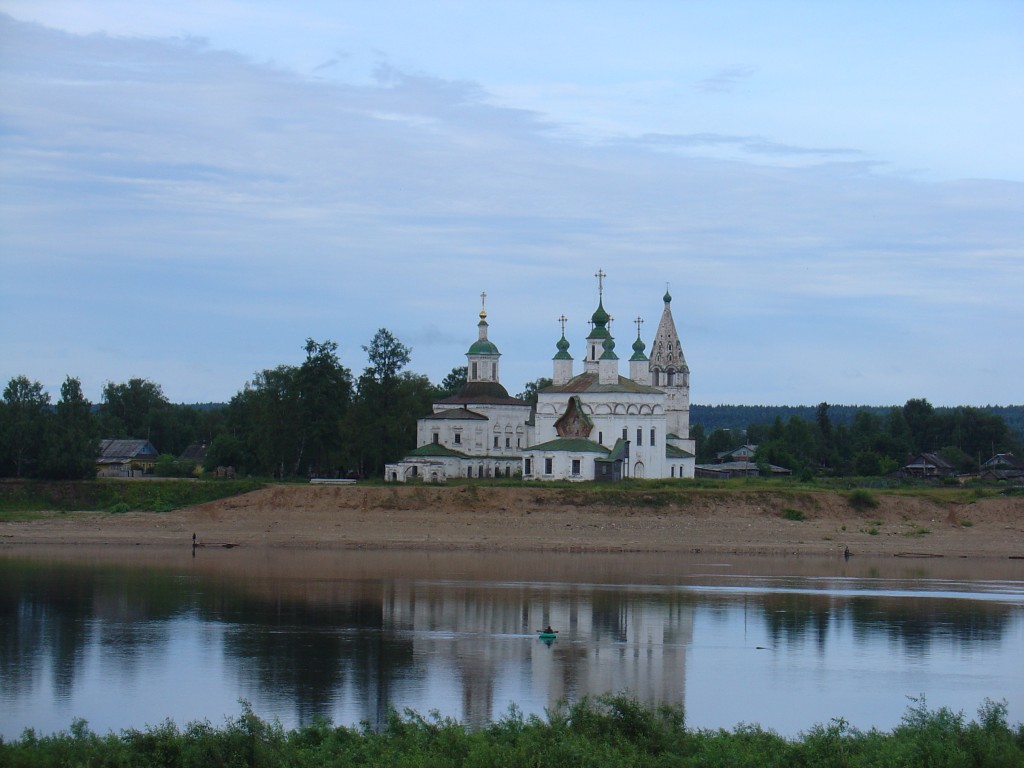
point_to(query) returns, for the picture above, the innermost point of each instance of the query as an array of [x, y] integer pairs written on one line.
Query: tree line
[[874, 441], [311, 419], [319, 419]]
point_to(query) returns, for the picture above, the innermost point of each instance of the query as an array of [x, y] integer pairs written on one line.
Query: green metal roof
[[569, 445], [618, 451], [671, 452], [588, 382], [436, 450], [457, 414], [483, 347]]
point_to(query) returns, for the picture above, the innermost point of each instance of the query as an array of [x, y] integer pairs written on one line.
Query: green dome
[[483, 347], [563, 349], [638, 350], [600, 317], [609, 350], [668, 297]]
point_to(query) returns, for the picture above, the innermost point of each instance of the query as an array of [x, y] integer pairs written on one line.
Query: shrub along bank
[[18, 497], [609, 731]]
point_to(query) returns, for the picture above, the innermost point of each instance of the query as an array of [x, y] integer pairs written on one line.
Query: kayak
[[546, 635]]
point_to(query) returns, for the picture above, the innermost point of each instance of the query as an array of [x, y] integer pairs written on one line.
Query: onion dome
[[609, 349], [638, 349], [563, 349]]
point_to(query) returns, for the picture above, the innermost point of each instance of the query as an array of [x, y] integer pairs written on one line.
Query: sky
[[832, 192]]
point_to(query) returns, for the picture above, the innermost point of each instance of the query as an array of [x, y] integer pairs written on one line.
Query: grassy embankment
[[27, 500], [860, 493], [610, 731]]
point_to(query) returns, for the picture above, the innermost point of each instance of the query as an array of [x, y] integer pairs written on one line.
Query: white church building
[[589, 424]]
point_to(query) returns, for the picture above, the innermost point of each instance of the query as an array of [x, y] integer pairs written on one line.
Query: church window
[[548, 466], [639, 436], [670, 377], [458, 438], [600, 438], [652, 435], [495, 441], [508, 442], [474, 371], [518, 442], [575, 466], [436, 438], [527, 466], [673, 470], [469, 471], [625, 433]]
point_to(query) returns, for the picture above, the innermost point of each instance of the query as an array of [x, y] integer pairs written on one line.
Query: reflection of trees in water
[[44, 616], [50, 614], [306, 653], [915, 623], [791, 617]]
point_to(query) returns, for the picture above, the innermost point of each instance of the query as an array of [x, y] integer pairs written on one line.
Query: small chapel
[[592, 424]]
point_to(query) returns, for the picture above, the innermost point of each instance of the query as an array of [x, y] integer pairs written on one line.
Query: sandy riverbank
[[542, 519]]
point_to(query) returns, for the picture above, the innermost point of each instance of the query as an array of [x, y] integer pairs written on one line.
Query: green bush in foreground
[[608, 731]]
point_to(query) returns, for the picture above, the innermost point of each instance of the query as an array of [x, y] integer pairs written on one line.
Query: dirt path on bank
[[540, 519]]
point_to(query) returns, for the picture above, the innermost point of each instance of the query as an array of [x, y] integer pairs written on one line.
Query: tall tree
[[531, 388], [387, 357], [73, 436], [454, 381], [23, 424], [919, 413], [135, 409], [380, 428], [265, 418], [324, 393]]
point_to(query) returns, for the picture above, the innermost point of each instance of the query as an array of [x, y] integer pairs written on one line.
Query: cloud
[[726, 80], [184, 213], [755, 145]]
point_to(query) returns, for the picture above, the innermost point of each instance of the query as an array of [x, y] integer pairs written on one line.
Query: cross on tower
[[600, 275], [639, 321], [563, 320]]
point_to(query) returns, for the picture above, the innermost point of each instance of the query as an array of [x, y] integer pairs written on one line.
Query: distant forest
[[740, 417]]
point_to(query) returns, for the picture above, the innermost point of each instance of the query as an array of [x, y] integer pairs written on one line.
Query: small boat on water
[[547, 634]]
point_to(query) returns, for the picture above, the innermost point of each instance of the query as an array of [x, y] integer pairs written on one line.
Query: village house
[[125, 458]]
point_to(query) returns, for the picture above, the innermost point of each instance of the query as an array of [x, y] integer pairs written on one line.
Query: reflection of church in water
[[608, 643], [589, 424]]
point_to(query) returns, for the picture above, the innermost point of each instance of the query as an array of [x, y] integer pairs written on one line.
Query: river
[[126, 638]]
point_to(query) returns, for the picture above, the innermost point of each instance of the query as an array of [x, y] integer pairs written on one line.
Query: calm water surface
[[129, 638]]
